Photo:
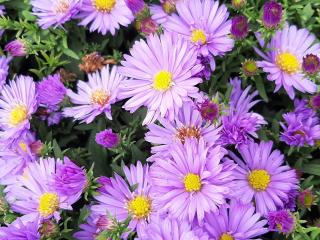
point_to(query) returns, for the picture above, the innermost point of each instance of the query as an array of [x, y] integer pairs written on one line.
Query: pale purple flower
[[107, 138], [281, 221], [54, 13], [18, 102], [283, 58], [95, 96], [186, 125], [204, 24], [240, 124], [16, 48], [162, 69], [235, 221], [4, 69], [105, 16], [261, 176], [192, 180]]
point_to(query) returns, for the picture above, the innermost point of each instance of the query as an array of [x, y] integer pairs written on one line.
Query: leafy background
[[55, 49]]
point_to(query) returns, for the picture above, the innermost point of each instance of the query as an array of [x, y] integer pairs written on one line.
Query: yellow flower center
[[100, 97], [23, 146], [188, 132], [140, 207], [104, 5], [288, 62], [226, 236], [48, 204], [18, 114], [259, 179], [198, 36], [62, 6], [162, 81], [192, 182]]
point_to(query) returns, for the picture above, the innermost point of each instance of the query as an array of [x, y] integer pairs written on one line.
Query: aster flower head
[[311, 64], [237, 4], [306, 199], [235, 221], [191, 181], [92, 62], [20, 229], [272, 14], [249, 68], [262, 176], [239, 27], [49, 229], [204, 24], [94, 225], [281, 221], [16, 48], [17, 103], [315, 102], [95, 96], [120, 202], [35, 193], [51, 91], [105, 15], [188, 124], [69, 179], [168, 228], [240, 124], [54, 13], [163, 70], [4, 69], [209, 109], [107, 138], [283, 59], [148, 26]]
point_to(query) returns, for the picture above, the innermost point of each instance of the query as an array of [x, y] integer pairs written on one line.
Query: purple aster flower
[[54, 13], [191, 181], [169, 228], [21, 229], [94, 225], [315, 102], [4, 69], [291, 202], [162, 69], [35, 192], [281, 221], [239, 125], [51, 91], [209, 110], [311, 64], [135, 6], [16, 48], [119, 201], [272, 14], [96, 96], [235, 221], [70, 180], [239, 27], [203, 23], [262, 177], [107, 138], [18, 102], [187, 124], [283, 59], [105, 15]]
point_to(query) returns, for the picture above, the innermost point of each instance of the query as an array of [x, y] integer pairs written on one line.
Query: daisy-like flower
[[239, 125], [35, 193], [119, 201], [262, 176], [235, 221], [105, 15], [191, 181], [168, 228], [187, 124], [281, 221], [18, 102], [283, 59], [203, 23], [54, 13], [96, 96], [4, 69], [22, 228], [107, 138], [95, 224], [162, 71]]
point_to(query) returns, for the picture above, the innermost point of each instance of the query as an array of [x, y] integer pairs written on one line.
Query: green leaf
[[70, 53], [261, 88], [311, 169], [56, 150]]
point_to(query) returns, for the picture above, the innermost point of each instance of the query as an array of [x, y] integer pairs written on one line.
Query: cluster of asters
[[209, 175]]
